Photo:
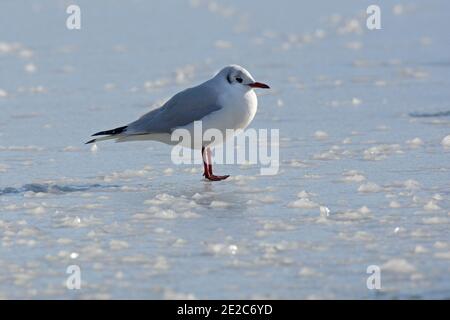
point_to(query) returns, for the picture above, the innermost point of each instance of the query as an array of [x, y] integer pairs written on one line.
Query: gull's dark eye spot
[[239, 80]]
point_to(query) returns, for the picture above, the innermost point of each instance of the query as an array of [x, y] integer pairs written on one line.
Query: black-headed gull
[[227, 101]]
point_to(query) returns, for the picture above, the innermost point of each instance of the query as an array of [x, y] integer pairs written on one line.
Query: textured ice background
[[364, 176]]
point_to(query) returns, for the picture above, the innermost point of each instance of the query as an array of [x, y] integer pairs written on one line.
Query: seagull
[[226, 101]]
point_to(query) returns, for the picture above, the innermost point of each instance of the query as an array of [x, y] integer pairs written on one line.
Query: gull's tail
[[110, 134]]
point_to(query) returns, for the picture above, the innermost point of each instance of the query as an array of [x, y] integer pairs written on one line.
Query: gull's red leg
[[208, 154], [210, 175], [205, 164]]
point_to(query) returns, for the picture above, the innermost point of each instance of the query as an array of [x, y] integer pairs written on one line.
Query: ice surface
[[446, 141], [364, 153]]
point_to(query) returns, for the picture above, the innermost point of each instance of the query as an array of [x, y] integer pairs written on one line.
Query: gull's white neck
[[239, 107]]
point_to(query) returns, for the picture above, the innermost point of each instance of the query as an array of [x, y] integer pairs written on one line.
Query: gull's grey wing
[[183, 108]]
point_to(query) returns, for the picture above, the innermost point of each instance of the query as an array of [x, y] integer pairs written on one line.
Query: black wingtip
[[91, 141], [110, 132]]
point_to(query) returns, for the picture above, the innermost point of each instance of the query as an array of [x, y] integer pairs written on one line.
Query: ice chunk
[[307, 272], [168, 171], [442, 255], [320, 135], [303, 203], [353, 176], [222, 44], [398, 9], [398, 265], [30, 68], [415, 143], [394, 204], [37, 210], [219, 204], [71, 149], [324, 211], [411, 184], [118, 244], [304, 194], [431, 206], [446, 142], [356, 101], [369, 187], [381, 151], [420, 249], [435, 220]]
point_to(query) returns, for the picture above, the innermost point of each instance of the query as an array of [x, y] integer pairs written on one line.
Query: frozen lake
[[363, 117]]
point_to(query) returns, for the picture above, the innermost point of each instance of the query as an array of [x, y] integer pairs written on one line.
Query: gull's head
[[237, 77]]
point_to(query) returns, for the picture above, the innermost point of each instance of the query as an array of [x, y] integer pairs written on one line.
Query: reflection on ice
[[39, 188]]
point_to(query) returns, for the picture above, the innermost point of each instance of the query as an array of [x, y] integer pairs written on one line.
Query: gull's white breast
[[239, 109]]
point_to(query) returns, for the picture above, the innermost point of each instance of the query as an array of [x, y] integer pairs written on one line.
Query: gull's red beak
[[259, 85]]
